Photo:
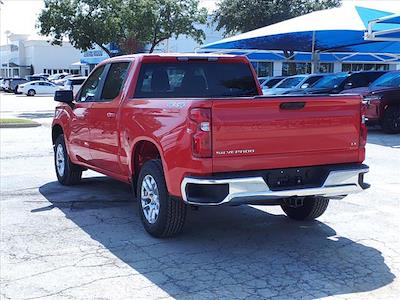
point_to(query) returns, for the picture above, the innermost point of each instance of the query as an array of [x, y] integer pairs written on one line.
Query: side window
[[373, 76], [312, 80], [89, 90], [114, 81], [358, 80]]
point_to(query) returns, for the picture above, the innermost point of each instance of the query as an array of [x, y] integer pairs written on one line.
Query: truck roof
[[172, 55]]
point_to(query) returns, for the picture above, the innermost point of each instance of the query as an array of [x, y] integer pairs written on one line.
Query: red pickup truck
[[195, 130]]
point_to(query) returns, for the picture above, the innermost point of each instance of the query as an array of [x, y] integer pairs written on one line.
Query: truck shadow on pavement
[[224, 252]]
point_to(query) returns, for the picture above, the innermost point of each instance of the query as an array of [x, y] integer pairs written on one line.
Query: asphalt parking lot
[[87, 242]]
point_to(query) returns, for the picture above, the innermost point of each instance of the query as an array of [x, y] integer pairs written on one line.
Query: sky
[[19, 16]]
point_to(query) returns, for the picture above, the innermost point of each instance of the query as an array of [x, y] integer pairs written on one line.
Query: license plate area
[[296, 178]]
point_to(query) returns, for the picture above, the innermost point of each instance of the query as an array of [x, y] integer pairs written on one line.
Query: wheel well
[[144, 151], [56, 131]]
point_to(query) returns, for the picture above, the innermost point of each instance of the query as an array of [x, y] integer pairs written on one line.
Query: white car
[[38, 88], [74, 84]]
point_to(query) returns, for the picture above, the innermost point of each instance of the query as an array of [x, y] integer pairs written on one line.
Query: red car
[[196, 130], [382, 100]]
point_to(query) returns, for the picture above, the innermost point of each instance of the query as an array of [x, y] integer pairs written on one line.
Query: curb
[[19, 125]]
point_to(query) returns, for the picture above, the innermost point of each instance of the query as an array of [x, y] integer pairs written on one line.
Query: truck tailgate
[[280, 132]]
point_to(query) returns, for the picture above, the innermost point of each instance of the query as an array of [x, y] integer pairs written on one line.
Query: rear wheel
[[391, 119], [67, 172], [162, 215], [308, 208], [31, 92]]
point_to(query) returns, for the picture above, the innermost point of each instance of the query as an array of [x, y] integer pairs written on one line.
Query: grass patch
[[16, 121]]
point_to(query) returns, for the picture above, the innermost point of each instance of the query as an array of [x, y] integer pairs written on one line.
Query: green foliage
[[129, 23], [235, 16]]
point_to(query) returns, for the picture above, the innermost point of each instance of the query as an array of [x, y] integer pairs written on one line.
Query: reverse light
[[200, 125]]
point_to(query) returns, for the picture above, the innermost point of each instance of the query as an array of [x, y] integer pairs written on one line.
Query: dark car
[[336, 83], [382, 99], [13, 84]]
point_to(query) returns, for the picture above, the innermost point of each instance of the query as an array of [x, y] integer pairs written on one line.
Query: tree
[[168, 18], [130, 24], [84, 22], [234, 16]]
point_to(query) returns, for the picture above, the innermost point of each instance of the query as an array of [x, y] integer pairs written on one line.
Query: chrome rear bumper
[[254, 189]]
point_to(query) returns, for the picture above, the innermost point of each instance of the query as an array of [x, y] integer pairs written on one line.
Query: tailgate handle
[[292, 105]]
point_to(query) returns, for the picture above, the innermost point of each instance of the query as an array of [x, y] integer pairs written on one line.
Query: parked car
[[35, 78], [13, 84], [271, 81], [57, 76], [336, 83], [37, 88], [293, 82], [382, 100], [42, 75], [195, 130], [63, 80], [74, 84], [4, 84]]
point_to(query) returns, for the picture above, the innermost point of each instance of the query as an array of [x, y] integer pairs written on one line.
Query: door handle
[[292, 105], [111, 115]]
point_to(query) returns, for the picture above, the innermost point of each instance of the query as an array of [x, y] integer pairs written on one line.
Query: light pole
[[8, 33]]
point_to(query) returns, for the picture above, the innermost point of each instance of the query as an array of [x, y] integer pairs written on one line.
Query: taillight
[[363, 126], [200, 125]]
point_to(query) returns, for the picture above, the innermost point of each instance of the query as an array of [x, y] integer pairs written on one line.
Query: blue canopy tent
[[337, 30], [385, 35]]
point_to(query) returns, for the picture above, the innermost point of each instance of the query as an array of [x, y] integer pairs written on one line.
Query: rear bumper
[[235, 190]]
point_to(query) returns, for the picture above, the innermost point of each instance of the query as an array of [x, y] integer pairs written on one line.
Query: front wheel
[[162, 215], [308, 208], [31, 92], [391, 119], [67, 172]]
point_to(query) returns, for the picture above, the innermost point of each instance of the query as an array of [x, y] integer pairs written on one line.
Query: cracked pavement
[[87, 242]]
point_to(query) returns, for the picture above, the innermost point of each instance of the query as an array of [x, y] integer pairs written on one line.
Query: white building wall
[[44, 56]]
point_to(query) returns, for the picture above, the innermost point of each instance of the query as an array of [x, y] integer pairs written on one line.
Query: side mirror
[[305, 85], [65, 96]]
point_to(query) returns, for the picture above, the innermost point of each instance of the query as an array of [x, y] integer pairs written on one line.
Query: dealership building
[[22, 56]]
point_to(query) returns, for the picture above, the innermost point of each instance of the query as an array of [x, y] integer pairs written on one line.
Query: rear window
[[195, 79], [290, 82]]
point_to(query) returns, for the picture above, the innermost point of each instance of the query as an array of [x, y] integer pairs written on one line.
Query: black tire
[[72, 173], [391, 119], [31, 92], [312, 208], [172, 212]]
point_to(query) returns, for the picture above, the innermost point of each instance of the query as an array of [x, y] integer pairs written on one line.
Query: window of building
[[263, 68], [326, 67], [353, 67], [294, 68]]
